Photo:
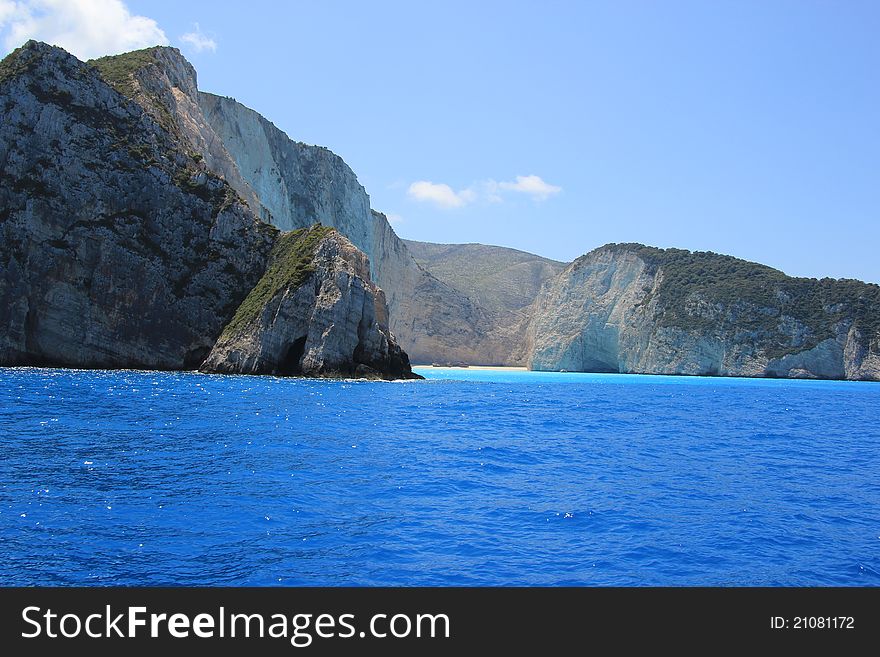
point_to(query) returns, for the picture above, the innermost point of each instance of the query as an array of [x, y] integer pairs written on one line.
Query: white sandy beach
[[473, 367]]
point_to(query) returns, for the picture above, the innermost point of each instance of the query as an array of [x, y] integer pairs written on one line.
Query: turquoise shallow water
[[471, 477]]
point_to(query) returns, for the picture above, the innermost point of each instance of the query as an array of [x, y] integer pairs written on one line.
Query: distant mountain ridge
[[501, 279]]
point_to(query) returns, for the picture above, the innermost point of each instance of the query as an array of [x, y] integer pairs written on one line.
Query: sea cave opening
[[291, 364]]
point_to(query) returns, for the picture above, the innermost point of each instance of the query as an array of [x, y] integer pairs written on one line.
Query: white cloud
[[394, 218], [489, 191], [440, 194], [199, 40], [85, 28], [533, 185]]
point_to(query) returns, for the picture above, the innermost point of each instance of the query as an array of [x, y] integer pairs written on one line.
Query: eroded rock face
[[130, 236], [125, 240], [294, 185], [117, 249], [298, 184], [629, 308], [314, 313]]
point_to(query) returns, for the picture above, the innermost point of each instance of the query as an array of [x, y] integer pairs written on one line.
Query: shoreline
[[428, 368], [491, 368]]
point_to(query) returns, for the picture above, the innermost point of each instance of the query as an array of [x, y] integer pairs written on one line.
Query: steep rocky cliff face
[[293, 185], [435, 321], [126, 234], [630, 308], [117, 249], [314, 312], [164, 83], [298, 184]]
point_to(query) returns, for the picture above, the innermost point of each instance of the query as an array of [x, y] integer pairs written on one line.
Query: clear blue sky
[[748, 128]]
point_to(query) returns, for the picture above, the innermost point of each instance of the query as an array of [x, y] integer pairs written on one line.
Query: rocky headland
[[637, 309], [314, 312]]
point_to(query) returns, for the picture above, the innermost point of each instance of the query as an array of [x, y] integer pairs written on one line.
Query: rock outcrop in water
[[120, 246], [314, 312], [631, 308]]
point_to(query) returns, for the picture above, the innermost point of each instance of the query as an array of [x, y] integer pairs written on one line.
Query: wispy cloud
[[85, 28], [394, 218], [490, 191], [533, 186], [199, 40]]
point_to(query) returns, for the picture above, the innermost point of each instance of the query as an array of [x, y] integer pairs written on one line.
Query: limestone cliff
[[126, 235], [117, 249], [314, 312], [435, 321], [298, 184], [134, 229], [165, 84], [293, 185], [630, 308]]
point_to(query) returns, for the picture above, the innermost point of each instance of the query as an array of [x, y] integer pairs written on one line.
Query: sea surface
[[469, 478]]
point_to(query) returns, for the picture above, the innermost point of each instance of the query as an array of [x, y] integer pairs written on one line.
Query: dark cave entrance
[[290, 365]]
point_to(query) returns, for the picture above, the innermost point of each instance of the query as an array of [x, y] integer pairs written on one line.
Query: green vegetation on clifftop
[[759, 295], [119, 70], [290, 264], [15, 63]]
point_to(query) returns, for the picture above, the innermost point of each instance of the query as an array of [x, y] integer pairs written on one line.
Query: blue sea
[[471, 477]]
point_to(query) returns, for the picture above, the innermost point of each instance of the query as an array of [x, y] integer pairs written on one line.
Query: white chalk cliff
[[298, 184], [634, 309]]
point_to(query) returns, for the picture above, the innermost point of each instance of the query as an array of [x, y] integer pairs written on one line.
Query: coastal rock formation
[[631, 308], [136, 227], [314, 312], [293, 185], [298, 184], [120, 246], [164, 83], [117, 249], [432, 319]]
